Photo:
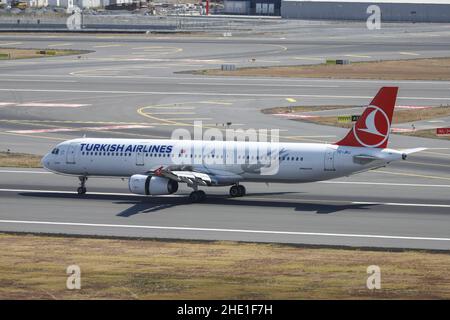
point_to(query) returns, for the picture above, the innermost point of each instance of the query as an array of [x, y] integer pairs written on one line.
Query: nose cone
[[45, 162]]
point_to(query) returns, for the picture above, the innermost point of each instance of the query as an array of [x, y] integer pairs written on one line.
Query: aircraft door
[[139, 158], [70, 155], [329, 159]]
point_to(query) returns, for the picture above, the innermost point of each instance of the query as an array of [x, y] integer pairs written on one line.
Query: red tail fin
[[373, 127]]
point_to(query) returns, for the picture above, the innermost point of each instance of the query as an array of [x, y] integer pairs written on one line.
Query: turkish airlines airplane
[[156, 167]]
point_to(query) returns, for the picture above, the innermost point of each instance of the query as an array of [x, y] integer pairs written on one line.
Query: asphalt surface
[[128, 87]]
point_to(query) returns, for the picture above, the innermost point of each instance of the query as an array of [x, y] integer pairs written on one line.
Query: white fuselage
[[226, 162]]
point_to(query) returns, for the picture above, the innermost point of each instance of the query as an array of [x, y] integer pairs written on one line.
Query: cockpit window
[[55, 151]]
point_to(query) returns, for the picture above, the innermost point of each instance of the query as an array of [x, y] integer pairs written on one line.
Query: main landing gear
[[237, 191], [82, 188], [197, 196]]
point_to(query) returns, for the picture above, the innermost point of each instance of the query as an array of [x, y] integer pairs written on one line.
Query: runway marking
[[409, 53], [215, 94], [32, 136], [357, 56], [171, 107], [388, 184], [10, 43], [180, 119], [262, 197], [71, 121], [176, 113], [44, 105], [53, 105], [309, 58], [410, 174], [437, 153], [197, 229], [229, 78], [60, 45], [108, 46], [429, 164], [23, 171], [40, 80], [105, 128], [258, 85], [330, 136], [216, 102]]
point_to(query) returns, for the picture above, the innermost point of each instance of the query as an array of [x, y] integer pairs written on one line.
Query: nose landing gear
[[82, 188]]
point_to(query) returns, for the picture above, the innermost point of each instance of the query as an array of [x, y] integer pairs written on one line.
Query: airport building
[[391, 10], [253, 7]]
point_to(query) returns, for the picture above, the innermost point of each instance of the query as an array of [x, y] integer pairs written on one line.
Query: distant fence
[[128, 23]]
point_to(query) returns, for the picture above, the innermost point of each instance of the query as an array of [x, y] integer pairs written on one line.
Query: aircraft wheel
[[202, 195], [81, 190], [241, 190], [197, 196], [234, 191]]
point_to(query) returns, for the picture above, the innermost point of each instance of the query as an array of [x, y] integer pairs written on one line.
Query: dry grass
[[34, 267], [13, 53], [414, 69], [22, 160]]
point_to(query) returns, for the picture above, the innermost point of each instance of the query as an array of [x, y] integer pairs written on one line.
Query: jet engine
[[151, 185]]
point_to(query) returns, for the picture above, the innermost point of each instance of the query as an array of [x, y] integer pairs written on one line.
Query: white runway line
[[214, 94], [53, 105], [299, 200], [41, 80], [230, 78], [258, 85], [409, 53], [388, 184], [108, 46], [23, 171], [105, 128], [10, 43], [293, 233], [60, 45]]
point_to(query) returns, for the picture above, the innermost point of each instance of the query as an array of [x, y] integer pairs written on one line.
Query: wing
[[197, 176]]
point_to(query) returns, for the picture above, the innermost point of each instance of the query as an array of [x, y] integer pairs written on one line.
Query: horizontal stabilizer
[[414, 150]]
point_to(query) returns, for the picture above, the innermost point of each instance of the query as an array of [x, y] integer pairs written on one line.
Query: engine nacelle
[[151, 185]]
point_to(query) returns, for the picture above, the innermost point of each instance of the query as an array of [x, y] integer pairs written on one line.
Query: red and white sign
[[443, 131]]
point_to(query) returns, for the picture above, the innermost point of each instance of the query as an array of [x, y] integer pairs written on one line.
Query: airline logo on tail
[[373, 127]]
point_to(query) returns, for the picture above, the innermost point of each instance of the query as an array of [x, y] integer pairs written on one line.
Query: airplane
[[158, 166]]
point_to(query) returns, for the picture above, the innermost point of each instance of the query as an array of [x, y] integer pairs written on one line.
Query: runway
[[129, 87], [373, 209]]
